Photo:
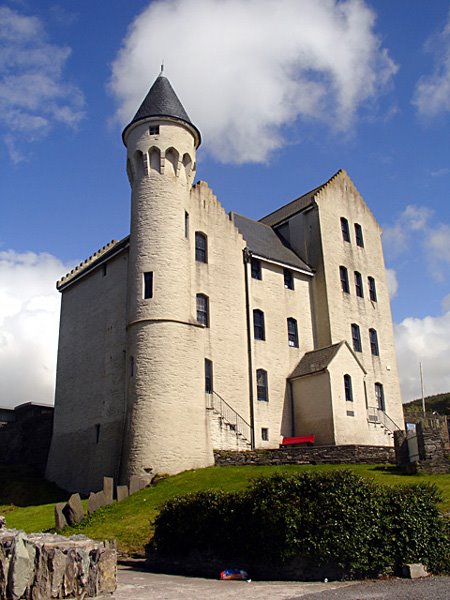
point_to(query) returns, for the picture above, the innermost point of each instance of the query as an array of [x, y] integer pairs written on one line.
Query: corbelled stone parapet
[[41, 566]]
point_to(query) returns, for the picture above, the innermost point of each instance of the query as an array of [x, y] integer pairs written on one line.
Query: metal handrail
[[377, 415], [233, 418]]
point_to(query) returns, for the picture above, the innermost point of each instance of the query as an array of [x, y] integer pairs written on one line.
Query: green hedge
[[336, 518]]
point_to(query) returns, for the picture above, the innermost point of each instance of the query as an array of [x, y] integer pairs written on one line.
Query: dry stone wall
[[42, 566]]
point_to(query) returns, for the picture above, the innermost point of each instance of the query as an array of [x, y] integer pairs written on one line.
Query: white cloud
[[432, 94], [424, 340], [392, 282], [397, 237], [29, 316], [33, 94], [438, 242], [245, 69]]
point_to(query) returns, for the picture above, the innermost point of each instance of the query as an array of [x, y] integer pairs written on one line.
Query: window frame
[[379, 396], [372, 289], [292, 329], [147, 285], [374, 344], [356, 337], [288, 277], [345, 230], [345, 284], [348, 388], [259, 328], [256, 269], [201, 247], [209, 376], [262, 385], [265, 434], [202, 311], [359, 285], [153, 130], [359, 235]]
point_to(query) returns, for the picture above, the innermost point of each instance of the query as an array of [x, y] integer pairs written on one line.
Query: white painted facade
[[132, 395]]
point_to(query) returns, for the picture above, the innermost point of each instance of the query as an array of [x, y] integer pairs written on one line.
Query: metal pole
[[421, 385]]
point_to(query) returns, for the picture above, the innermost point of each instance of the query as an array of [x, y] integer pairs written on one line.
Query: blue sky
[[285, 93]]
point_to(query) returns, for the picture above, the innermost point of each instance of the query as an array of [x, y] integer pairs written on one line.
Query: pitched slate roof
[[288, 210], [263, 241], [316, 361], [161, 101]]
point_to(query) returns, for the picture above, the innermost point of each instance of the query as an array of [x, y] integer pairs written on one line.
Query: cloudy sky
[[285, 92]]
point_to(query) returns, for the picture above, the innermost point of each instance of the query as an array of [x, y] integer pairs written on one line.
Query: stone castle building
[[204, 330]]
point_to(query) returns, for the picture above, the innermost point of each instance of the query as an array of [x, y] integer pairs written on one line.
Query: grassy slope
[[130, 522]]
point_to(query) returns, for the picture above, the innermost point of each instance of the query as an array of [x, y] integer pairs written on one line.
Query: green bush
[[335, 518]]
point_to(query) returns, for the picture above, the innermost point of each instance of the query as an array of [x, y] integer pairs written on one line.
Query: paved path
[[135, 584]]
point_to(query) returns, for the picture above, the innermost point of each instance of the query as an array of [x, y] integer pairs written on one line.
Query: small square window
[[288, 279], [264, 434], [153, 130], [256, 269]]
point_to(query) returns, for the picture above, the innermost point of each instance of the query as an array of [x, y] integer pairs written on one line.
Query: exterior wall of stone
[[166, 424], [90, 394]]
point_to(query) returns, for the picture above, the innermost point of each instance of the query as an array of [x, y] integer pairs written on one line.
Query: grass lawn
[[130, 521]]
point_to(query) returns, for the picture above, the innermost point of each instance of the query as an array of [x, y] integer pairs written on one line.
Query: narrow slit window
[[262, 392], [345, 229], [359, 235], [258, 325], [148, 285], [208, 376], [97, 433], [292, 332], [374, 342], [379, 395], [343, 273], [203, 309], [372, 289], [201, 247], [186, 224], [348, 388], [359, 285], [356, 338]]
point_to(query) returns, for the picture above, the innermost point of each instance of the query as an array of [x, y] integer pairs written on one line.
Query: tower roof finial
[[161, 73]]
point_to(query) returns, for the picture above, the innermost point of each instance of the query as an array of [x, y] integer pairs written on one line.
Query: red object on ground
[[300, 440]]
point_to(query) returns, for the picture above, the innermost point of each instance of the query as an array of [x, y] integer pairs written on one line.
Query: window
[[356, 337], [348, 388], [359, 235], [379, 395], [372, 289], [345, 229], [97, 433], [186, 224], [201, 247], [203, 309], [262, 392], [344, 279], [208, 376], [256, 269], [359, 285], [104, 269], [153, 130], [288, 279], [148, 285], [131, 366], [264, 434], [374, 342], [258, 325], [292, 332]]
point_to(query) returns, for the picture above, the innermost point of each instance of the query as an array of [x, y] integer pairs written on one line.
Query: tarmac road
[[138, 584]]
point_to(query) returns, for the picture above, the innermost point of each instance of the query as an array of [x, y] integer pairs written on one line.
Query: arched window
[[345, 229], [154, 155], [187, 164], [343, 273], [359, 235], [356, 338], [348, 388], [203, 309], [201, 247], [359, 285], [292, 332], [372, 289], [374, 342], [258, 325], [262, 391], [379, 395]]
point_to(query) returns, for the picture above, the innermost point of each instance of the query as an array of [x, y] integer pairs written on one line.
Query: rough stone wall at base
[[351, 454]]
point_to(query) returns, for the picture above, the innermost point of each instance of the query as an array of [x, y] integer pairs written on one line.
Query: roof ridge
[[81, 266]]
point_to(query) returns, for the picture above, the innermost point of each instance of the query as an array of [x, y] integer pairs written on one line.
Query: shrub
[[337, 518]]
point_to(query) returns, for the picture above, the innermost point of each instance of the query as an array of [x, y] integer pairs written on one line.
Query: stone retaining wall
[[40, 566], [351, 454]]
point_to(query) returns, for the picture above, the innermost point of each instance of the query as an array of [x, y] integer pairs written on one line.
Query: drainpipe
[[247, 262]]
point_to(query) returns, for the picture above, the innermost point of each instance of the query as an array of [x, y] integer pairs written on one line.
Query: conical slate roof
[[162, 101]]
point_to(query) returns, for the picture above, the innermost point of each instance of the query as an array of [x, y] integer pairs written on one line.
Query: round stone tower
[[166, 422]]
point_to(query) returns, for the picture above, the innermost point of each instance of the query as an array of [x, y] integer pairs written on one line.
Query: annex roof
[[264, 242], [316, 361], [161, 101]]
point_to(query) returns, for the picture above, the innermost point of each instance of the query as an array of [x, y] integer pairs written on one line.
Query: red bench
[[300, 440]]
